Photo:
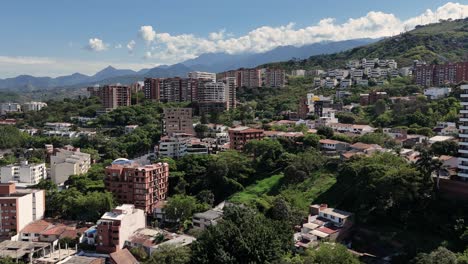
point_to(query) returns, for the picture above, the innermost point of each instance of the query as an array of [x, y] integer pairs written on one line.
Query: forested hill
[[439, 42]]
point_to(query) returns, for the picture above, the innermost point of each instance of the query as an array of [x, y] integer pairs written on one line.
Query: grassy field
[[259, 190], [299, 195]]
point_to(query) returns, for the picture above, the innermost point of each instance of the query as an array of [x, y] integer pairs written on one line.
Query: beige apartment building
[[66, 162]]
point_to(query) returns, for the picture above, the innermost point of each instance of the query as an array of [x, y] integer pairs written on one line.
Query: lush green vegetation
[[439, 42]]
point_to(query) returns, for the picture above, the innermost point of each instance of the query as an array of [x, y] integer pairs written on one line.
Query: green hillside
[[440, 42]]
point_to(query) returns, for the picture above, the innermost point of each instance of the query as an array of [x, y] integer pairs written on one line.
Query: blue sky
[[56, 37]]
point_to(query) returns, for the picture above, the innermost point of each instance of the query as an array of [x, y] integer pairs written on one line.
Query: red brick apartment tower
[[113, 96], [142, 186], [152, 89], [462, 71]]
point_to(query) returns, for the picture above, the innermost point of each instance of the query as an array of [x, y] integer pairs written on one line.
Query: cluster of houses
[[358, 73]]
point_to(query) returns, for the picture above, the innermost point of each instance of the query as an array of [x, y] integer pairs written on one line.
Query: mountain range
[[212, 62]]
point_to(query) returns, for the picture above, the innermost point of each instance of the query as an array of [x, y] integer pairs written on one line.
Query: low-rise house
[[366, 148], [208, 218], [333, 145], [435, 139], [130, 128], [48, 231], [151, 239], [351, 128], [396, 133], [239, 136], [323, 223], [412, 140], [330, 83], [345, 83], [435, 93]]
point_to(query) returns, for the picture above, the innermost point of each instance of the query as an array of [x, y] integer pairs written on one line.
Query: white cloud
[[131, 46], [147, 34], [95, 44], [118, 46], [169, 48], [53, 67], [217, 35]]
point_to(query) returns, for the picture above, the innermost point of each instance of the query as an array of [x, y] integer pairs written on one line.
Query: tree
[[448, 147], [330, 253], [380, 107], [170, 254], [243, 236], [139, 253], [383, 185], [439, 256], [325, 131], [181, 207], [311, 140]]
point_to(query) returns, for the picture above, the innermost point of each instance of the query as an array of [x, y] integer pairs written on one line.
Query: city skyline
[[86, 41]]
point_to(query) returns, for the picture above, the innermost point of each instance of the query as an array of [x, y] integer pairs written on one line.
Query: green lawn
[[255, 191], [300, 195]]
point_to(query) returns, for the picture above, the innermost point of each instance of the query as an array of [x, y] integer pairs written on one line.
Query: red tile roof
[[123, 257], [36, 227]]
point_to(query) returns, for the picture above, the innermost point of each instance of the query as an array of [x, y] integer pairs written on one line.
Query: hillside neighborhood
[[351, 157]]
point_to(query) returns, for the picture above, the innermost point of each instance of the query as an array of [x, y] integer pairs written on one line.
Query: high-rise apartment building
[[231, 85], [19, 208], [212, 96], [249, 78], [463, 134], [132, 183], [66, 162], [428, 75], [275, 78], [23, 173], [152, 89], [171, 89], [178, 120], [202, 75], [112, 96], [116, 226]]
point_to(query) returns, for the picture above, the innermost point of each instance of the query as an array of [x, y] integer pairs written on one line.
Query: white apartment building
[[9, 108], [330, 83], [18, 208], [23, 173], [58, 126], [298, 73], [463, 134], [202, 75], [66, 162], [345, 83], [213, 92], [117, 226], [33, 106], [172, 147], [434, 93]]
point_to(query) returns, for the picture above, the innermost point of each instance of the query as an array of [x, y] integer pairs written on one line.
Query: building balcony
[[464, 95], [463, 103], [463, 119], [463, 128], [463, 159], [463, 151], [461, 143], [463, 167], [463, 111], [463, 175], [463, 135]]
